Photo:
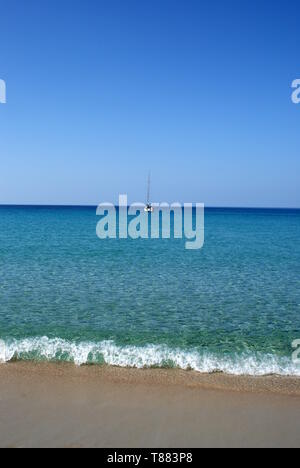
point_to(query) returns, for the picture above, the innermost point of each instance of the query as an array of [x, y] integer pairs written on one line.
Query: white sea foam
[[145, 356], [2, 351]]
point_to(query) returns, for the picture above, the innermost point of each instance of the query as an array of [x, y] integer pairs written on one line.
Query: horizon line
[[48, 205]]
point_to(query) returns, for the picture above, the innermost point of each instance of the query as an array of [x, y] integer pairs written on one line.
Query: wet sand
[[60, 405]]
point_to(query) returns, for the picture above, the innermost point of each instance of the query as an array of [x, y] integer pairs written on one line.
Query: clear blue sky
[[100, 91]]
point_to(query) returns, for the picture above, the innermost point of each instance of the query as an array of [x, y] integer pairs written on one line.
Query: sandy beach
[[60, 405]]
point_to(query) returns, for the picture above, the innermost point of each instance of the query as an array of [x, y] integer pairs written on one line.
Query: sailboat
[[148, 207]]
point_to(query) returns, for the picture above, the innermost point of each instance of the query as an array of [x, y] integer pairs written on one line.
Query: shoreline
[[164, 377], [91, 406], [151, 356]]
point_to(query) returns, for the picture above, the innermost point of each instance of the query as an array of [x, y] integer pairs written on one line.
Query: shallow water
[[233, 306]]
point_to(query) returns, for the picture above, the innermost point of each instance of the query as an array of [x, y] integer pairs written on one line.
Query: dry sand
[[52, 405]]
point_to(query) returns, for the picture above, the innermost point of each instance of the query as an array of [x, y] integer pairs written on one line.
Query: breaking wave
[[109, 353]]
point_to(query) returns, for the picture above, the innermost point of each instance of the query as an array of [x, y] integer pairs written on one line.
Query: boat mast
[[148, 189]]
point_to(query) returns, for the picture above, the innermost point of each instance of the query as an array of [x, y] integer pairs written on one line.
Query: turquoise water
[[233, 306]]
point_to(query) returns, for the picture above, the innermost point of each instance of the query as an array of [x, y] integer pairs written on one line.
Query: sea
[[232, 306]]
